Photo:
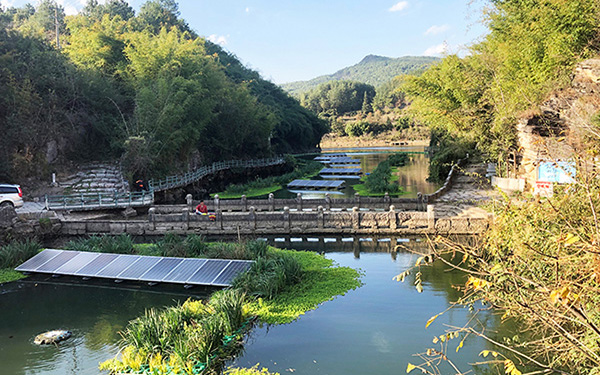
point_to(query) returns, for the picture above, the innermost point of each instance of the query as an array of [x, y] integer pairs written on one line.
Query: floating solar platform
[[343, 160], [327, 157], [188, 271], [316, 184], [342, 171]]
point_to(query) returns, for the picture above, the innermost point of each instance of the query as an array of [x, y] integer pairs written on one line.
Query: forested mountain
[[373, 70], [144, 88]]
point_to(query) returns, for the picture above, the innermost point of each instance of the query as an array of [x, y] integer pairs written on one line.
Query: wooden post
[[355, 218], [320, 218], [286, 219], [430, 217], [392, 217], [244, 203]]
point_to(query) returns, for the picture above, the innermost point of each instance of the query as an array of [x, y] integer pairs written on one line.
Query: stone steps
[[95, 178]]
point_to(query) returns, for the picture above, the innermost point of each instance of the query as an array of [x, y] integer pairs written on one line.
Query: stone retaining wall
[[320, 221]]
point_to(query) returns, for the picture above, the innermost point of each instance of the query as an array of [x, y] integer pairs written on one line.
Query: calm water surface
[[375, 329], [412, 177]]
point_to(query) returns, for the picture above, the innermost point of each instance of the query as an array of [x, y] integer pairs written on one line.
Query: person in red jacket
[[201, 209]]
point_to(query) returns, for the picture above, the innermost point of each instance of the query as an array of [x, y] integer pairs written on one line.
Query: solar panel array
[[190, 271], [327, 157], [342, 171], [316, 184], [343, 160]]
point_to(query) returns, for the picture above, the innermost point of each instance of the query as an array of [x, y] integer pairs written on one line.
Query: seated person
[[201, 209]]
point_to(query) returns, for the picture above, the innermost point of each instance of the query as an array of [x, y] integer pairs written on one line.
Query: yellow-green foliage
[[249, 371], [322, 281]]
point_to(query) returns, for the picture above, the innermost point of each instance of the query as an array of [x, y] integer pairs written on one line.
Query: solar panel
[[76, 263], [39, 259], [316, 183], [96, 265], [56, 262], [208, 272], [230, 272], [134, 267], [161, 269], [344, 160], [341, 170], [140, 267], [117, 266], [184, 270]]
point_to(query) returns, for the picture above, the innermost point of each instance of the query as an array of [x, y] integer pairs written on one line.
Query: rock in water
[[51, 337]]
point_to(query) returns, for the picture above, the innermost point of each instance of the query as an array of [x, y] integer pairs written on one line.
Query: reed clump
[[17, 252]]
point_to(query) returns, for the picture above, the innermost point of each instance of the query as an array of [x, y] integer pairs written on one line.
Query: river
[[376, 328]]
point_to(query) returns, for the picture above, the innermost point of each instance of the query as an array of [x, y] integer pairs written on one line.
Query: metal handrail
[[87, 201], [187, 178]]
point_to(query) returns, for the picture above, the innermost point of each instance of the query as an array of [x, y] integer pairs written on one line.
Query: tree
[[156, 14], [366, 105]]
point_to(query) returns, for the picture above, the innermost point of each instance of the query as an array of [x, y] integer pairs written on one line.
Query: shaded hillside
[[373, 70]]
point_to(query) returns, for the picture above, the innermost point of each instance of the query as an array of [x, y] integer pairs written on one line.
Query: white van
[[11, 195]]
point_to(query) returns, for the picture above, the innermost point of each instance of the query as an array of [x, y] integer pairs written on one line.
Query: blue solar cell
[[120, 264], [96, 265], [140, 267], [56, 262], [33, 263], [184, 270], [230, 272], [76, 263], [208, 272], [161, 269]]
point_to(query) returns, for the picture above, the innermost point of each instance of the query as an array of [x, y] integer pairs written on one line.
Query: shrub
[[121, 244], [15, 253]]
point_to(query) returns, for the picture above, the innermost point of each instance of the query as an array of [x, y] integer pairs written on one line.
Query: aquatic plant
[[121, 244], [249, 371], [16, 252]]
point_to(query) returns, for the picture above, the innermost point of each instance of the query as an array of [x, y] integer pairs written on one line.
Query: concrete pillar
[[271, 202], [357, 200], [386, 200], [392, 217], [286, 218], [217, 203], [299, 201], [430, 217], [244, 203], [152, 217], [252, 217], [185, 218], [219, 215], [320, 218], [189, 201], [328, 201], [355, 218]]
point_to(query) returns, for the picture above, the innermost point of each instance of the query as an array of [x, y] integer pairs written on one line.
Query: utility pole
[[56, 24]]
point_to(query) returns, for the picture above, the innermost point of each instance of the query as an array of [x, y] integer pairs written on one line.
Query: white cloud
[[7, 3], [247, 10], [399, 6], [70, 9], [435, 29], [218, 39], [436, 50]]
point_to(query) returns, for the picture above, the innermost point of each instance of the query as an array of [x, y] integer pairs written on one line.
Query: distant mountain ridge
[[372, 69]]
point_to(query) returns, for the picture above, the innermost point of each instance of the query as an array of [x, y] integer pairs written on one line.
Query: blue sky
[[289, 40]]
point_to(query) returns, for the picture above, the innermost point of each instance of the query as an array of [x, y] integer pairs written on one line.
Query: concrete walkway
[[469, 192]]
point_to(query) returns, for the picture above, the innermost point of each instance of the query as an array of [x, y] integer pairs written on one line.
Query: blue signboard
[[562, 172]]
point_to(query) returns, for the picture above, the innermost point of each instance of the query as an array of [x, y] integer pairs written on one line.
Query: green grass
[[8, 275], [322, 281], [251, 192]]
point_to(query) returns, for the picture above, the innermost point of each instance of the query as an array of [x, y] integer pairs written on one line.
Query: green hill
[[373, 70]]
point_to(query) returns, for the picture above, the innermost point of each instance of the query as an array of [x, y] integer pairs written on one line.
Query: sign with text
[[543, 189], [562, 172]]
